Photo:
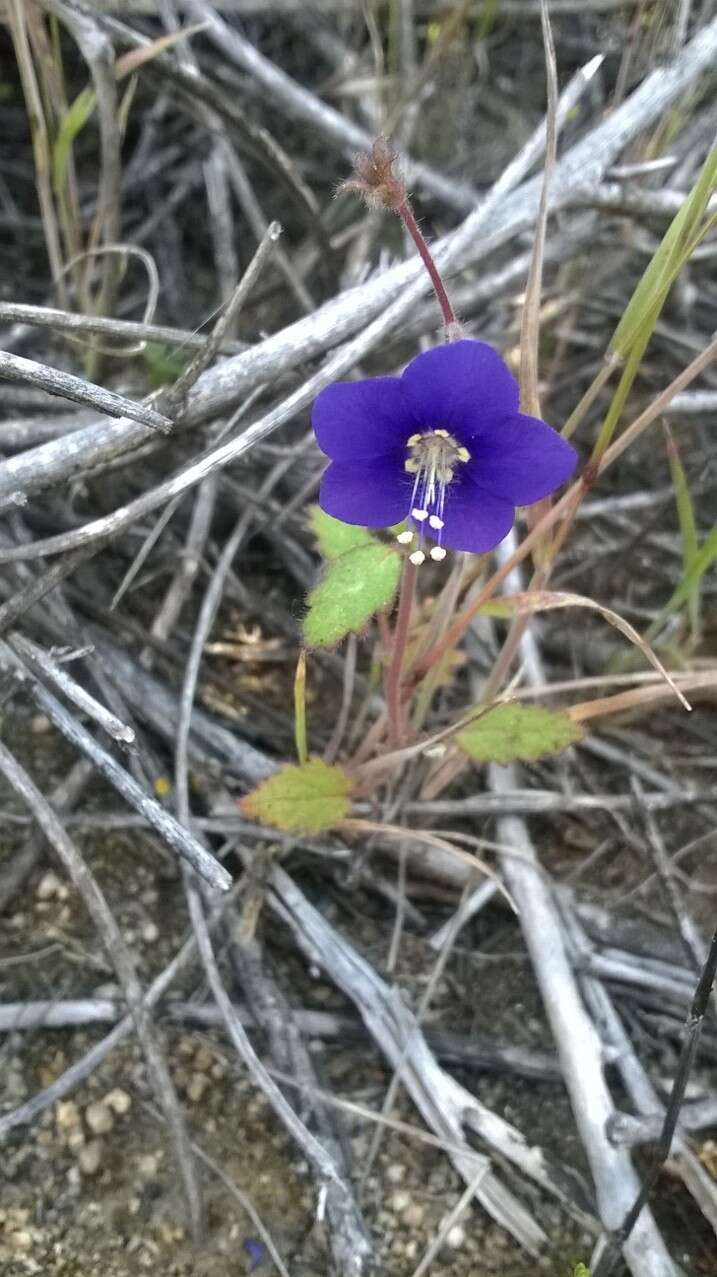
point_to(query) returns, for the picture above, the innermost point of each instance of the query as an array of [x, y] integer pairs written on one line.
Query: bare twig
[[622, 1236], [67, 386], [506, 213], [180, 839]]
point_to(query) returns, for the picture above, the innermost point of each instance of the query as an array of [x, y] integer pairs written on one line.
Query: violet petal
[[523, 460], [474, 518], [464, 386], [356, 419], [373, 494]]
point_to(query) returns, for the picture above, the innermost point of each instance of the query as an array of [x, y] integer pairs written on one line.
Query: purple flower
[[255, 1252], [443, 447]]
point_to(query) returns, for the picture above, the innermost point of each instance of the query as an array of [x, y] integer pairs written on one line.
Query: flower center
[[433, 457]]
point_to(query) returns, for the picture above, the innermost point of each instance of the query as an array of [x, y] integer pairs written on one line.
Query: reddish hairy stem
[[406, 214], [400, 639]]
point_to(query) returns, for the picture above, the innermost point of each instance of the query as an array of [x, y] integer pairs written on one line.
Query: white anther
[[419, 515], [417, 558], [405, 538], [437, 553], [435, 522]]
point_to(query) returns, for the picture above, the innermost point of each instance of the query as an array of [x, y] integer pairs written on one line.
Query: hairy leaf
[[354, 587], [310, 797], [510, 733], [334, 537]]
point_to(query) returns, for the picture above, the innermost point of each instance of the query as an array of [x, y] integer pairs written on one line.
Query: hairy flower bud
[[374, 178]]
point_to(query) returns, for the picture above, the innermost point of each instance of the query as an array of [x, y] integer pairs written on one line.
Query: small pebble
[[413, 1215], [90, 1157], [119, 1101], [455, 1237], [203, 1058], [150, 932], [67, 1115], [148, 1165], [198, 1084], [50, 886], [39, 724], [99, 1118], [396, 1173], [400, 1200]]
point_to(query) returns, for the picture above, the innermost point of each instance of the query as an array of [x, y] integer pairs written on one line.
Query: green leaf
[[354, 586], [581, 1271], [163, 364], [73, 121], [310, 797], [334, 537], [511, 732]]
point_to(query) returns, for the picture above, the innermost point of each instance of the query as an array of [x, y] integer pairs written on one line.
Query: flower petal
[[522, 461], [473, 518], [373, 494], [464, 386], [355, 419]]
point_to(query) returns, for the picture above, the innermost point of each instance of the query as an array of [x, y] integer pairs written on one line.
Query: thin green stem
[[302, 747], [590, 395]]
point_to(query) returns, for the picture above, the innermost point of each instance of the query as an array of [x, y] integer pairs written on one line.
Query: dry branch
[[582, 167]]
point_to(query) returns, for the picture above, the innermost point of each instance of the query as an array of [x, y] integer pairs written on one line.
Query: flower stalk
[[405, 212], [300, 735], [398, 651], [375, 178]]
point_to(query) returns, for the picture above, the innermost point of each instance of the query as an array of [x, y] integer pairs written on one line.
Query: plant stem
[[400, 639], [449, 316], [302, 748]]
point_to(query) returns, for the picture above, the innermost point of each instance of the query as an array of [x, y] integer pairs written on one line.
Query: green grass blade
[[702, 562], [633, 333], [668, 259], [688, 531], [73, 121]]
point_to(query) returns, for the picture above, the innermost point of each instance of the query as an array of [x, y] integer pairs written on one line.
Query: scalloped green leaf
[[334, 537], [518, 733], [353, 588], [309, 797]]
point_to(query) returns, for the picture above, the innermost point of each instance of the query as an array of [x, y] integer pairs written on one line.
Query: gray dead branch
[[472, 1051], [639, 1087], [352, 1249], [320, 332], [446, 1106], [66, 386], [169, 829], [582, 167], [102, 326], [579, 1047], [578, 1043]]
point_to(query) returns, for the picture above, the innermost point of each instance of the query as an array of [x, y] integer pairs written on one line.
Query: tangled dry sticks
[[137, 531]]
